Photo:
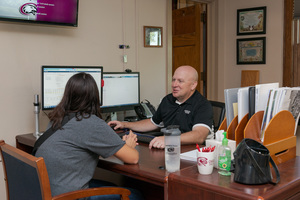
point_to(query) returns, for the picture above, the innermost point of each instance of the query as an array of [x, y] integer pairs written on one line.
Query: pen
[[198, 147]]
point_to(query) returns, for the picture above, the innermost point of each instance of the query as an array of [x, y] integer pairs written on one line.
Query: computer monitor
[[54, 80], [121, 91]]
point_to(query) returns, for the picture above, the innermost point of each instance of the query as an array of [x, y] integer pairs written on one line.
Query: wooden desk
[[214, 186], [25, 142], [150, 167], [188, 183], [149, 171]]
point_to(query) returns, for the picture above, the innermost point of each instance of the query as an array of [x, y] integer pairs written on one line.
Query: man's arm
[[139, 126], [197, 135]]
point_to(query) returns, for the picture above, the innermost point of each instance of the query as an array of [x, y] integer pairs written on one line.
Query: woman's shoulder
[[91, 120], [94, 119]]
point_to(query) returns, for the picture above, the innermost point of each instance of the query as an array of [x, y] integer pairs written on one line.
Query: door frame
[[212, 76]]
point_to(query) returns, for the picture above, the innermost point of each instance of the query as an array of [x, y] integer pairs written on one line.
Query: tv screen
[[55, 78], [121, 91], [58, 12]]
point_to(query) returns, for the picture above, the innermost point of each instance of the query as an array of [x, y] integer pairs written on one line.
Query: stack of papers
[[262, 93], [189, 155], [281, 99], [231, 99], [266, 97], [243, 102]]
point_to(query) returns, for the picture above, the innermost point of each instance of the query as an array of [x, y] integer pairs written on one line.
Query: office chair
[[26, 177], [218, 113]]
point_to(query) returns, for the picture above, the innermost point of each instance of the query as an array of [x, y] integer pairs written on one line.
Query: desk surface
[[148, 169], [217, 187], [188, 182], [150, 164]]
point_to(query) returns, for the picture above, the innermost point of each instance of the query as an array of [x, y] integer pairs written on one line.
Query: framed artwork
[[251, 21], [251, 50], [153, 36]]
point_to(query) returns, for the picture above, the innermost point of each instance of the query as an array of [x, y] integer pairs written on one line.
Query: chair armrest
[[94, 192]]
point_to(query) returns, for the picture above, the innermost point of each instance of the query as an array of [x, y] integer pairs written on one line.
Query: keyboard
[[145, 137]]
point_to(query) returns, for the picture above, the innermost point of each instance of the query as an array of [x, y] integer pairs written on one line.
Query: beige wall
[[103, 25], [226, 73]]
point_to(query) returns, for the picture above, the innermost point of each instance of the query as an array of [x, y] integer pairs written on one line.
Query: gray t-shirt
[[72, 154]]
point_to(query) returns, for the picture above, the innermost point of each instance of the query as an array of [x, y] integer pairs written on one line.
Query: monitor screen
[[54, 80], [121, 91], [59, 12]]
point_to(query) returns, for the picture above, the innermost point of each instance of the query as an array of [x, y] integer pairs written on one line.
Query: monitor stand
[[113, 116], [36, 104]]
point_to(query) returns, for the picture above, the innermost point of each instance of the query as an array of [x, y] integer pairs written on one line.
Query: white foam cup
[[205, 162]]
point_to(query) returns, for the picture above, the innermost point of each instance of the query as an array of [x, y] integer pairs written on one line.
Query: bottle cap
[[225, 140], [172, 130]]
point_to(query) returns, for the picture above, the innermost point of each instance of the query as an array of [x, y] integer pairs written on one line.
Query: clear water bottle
[[172, 148]]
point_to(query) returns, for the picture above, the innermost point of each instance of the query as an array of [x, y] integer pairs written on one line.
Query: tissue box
[[231, 144]]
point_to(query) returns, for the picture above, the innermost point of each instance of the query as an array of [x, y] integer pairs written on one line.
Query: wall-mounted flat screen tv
[[56, 12]]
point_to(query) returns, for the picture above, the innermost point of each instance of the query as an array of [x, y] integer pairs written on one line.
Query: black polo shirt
[[197, 110]]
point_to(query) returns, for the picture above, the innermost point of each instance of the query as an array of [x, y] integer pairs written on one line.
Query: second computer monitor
[[121, 91]]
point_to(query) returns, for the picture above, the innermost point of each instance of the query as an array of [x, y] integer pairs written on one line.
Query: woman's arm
[[128, 153]]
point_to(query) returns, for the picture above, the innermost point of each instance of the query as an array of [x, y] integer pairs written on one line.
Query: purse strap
[[259, 170], [50, 132]]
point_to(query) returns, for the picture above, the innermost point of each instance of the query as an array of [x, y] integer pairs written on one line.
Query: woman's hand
[[130, 139]]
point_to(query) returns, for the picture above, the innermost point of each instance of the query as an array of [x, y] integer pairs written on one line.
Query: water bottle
[[172, 148]]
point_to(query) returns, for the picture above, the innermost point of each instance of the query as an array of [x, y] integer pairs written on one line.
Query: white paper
[[189, 155], [262, 95], [243, 102]]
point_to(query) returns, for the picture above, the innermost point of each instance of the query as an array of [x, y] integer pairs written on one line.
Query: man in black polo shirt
[[185, 107]]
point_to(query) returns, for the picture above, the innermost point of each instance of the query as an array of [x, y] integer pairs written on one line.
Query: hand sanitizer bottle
[[224, 157]]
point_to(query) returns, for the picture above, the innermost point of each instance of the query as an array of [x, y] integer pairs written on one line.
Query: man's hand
[[116, 125], [157, 142]]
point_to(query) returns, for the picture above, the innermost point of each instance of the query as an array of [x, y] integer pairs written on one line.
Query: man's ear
[[194, 85]]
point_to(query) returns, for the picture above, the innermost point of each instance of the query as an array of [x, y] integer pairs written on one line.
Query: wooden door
[[295, 78], [291, 46], [188, 46]]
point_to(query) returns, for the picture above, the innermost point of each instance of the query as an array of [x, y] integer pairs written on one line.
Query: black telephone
[[145, 110]]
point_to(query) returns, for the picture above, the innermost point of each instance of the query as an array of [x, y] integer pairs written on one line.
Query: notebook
[[230, 99]]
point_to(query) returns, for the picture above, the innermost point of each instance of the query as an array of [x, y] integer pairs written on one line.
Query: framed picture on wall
[[153, 36], [251, 21], [251, 50]]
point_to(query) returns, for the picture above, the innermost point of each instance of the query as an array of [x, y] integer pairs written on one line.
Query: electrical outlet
[[125, 58]]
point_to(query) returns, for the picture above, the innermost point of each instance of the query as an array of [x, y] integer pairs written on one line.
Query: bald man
[[185, 107]]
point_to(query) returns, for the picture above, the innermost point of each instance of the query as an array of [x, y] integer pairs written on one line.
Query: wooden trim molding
[[287, 44]]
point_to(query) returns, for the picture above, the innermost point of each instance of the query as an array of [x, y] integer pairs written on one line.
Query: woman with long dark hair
[[72, 152]]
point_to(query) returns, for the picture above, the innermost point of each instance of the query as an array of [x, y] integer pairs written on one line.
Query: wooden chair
[[26, 177]]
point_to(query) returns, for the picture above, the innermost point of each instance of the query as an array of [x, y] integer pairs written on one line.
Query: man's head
[[184, 82]]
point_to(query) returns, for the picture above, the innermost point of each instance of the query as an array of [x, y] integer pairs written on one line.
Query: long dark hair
[[81, 96]]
